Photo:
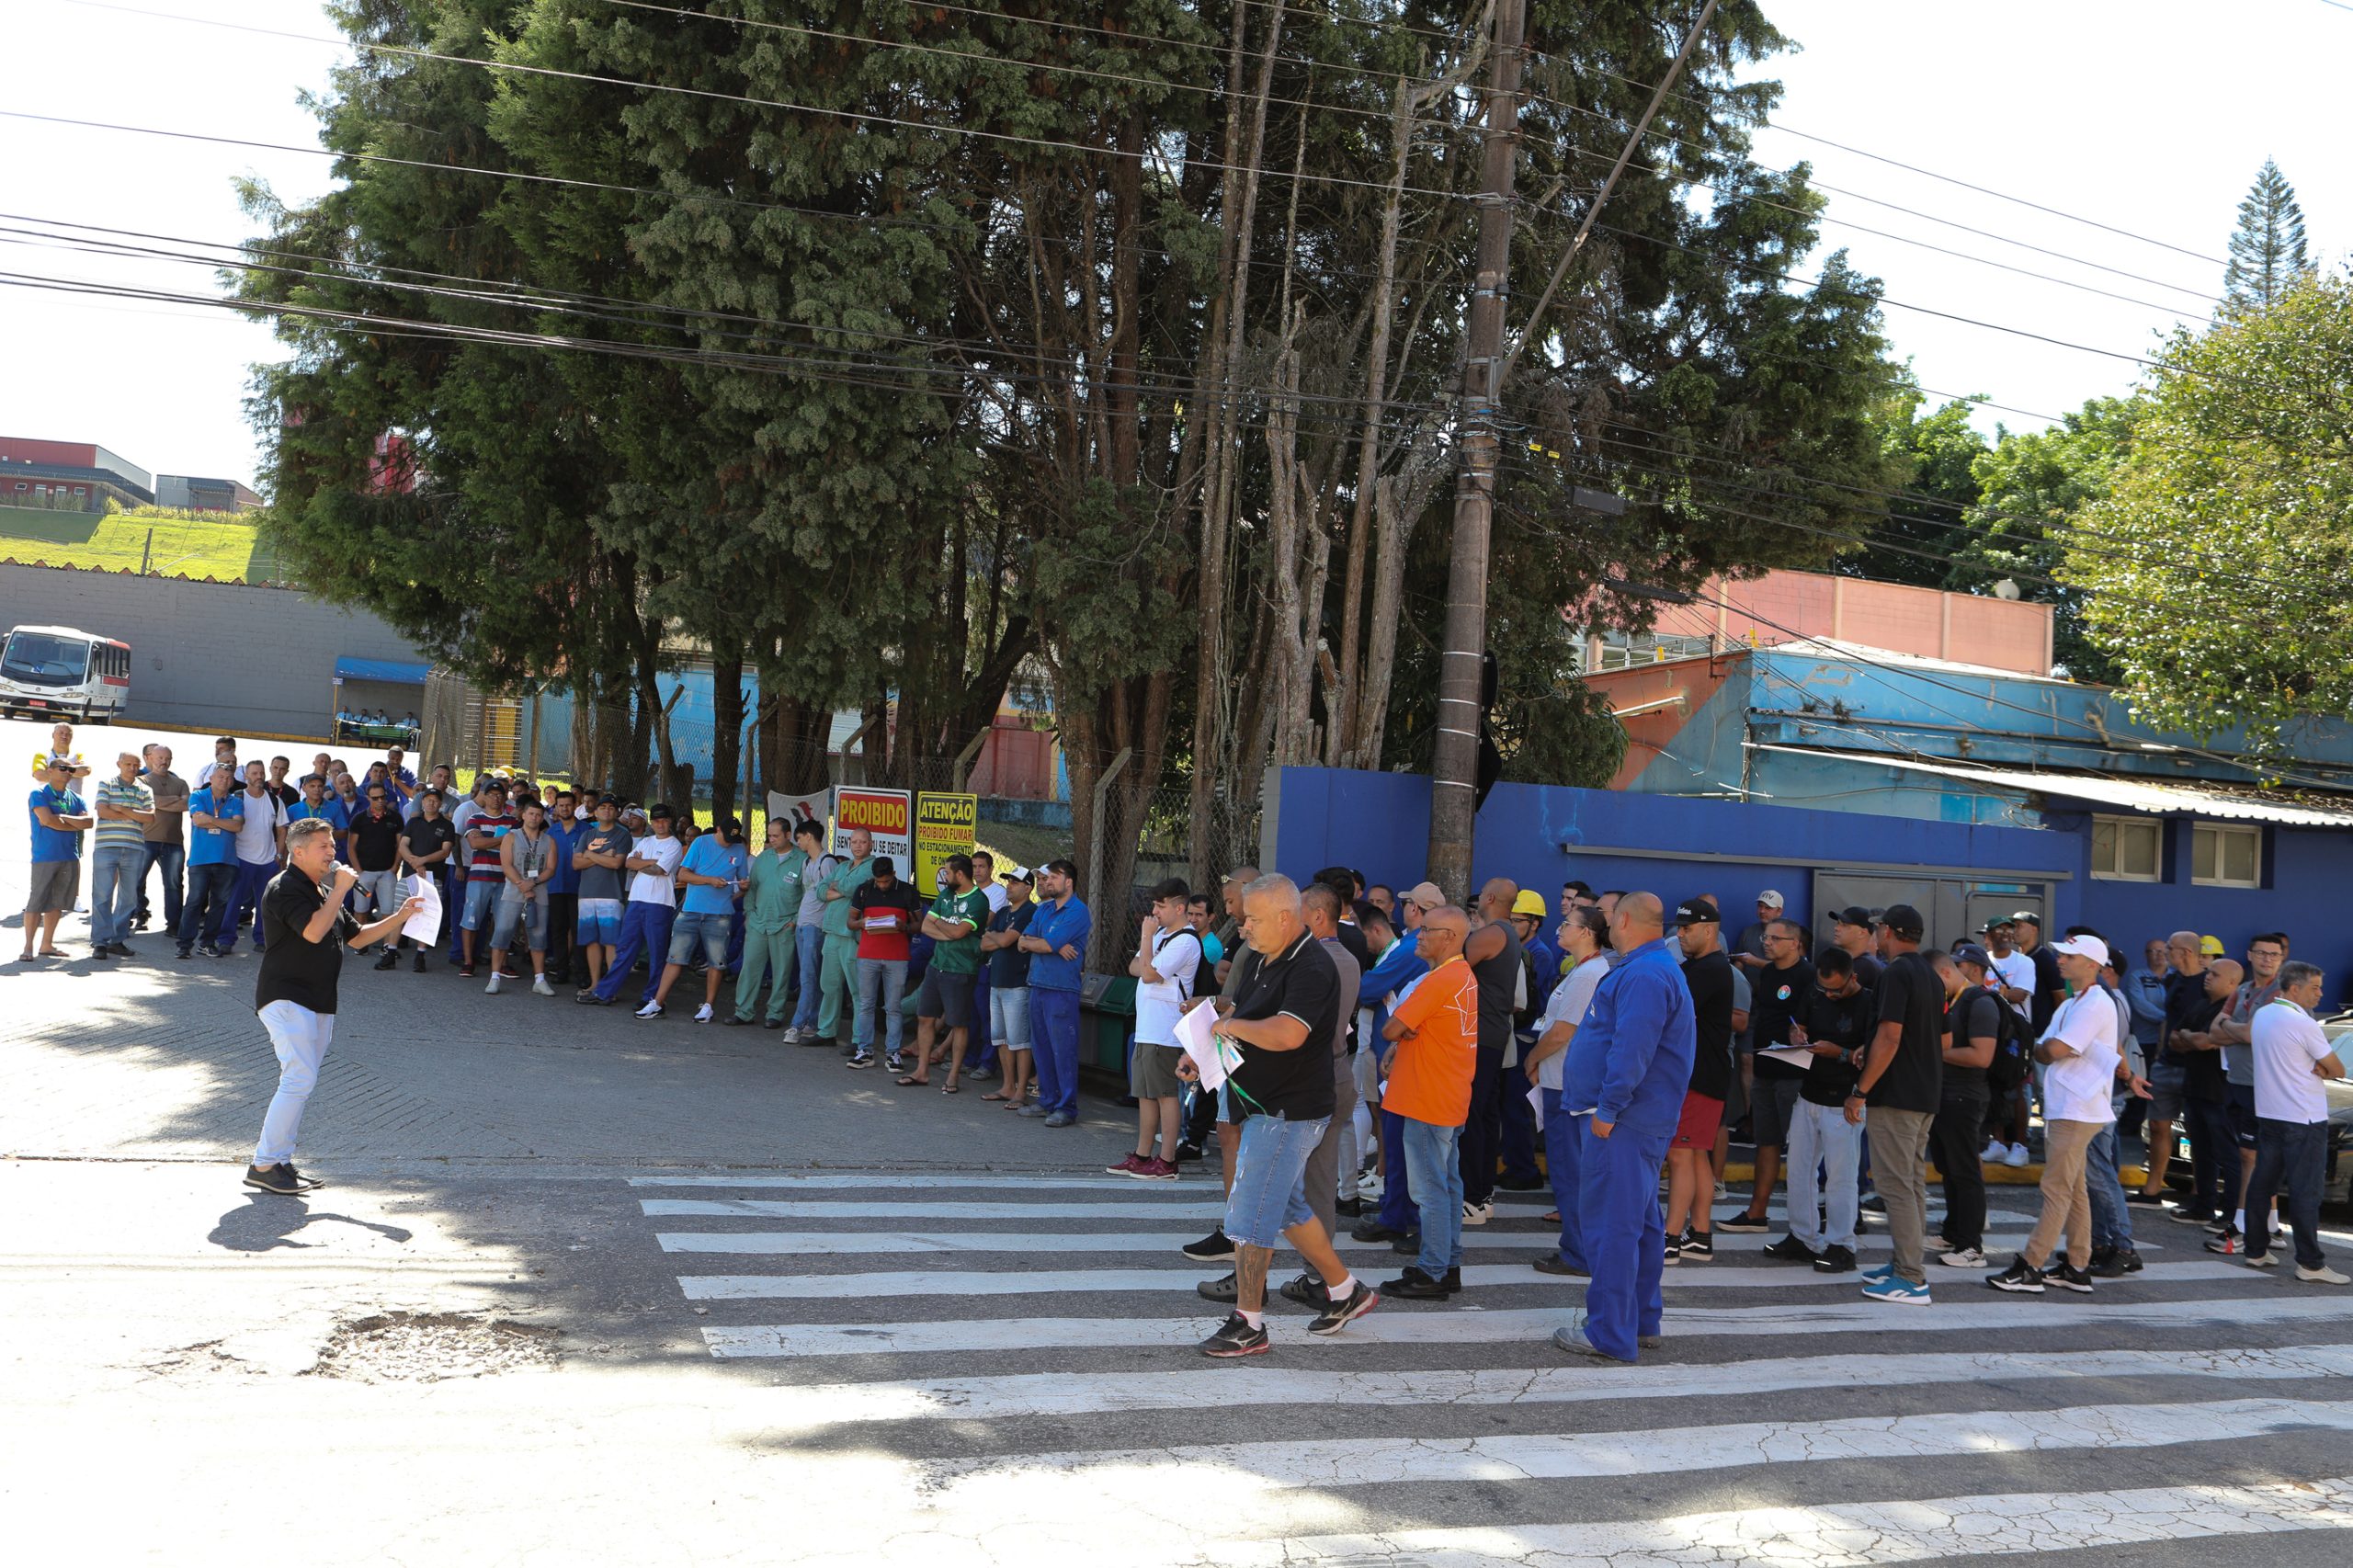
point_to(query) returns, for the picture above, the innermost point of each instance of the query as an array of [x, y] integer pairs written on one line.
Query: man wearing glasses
[[374, 841]]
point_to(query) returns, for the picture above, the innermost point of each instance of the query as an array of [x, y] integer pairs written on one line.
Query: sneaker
[[1873, 1204], [419, 965], [281, 1178], [1898, 1290], [2020, 1277], [2114, 1263], [1834, 1259], [2230, 1243], [1407, 1246], [1994, 1151], [1223, 1289], [540, 987], [104, 955], [1338, 1315], [1155, 1169], [1745, 1224], [1062, 1118], [1884, 1271], [388, 961], [1350, 1208], [2144, 1200], [1698, 1248], [1572, 1339], [2017, 1157], [1674, 1251], [180, 953], [863, 1059], [2260, 1260], [1788, 1249], [705, 1013], [1554, 1262], [1307, 1290], [651, 1010], [1372, 1230], [1477, 1213], [1413, 1285], [1963, 1257], [1211, 1248], [207, 950], [2067, 1276], [2323, 1275], [1187, 1152], [895, 1062], [1031, 1109], [590, 999], [465, 972], [1236, 1338], [2185, 1215], [1722, 1194], [1130, 1165], [492, 990]]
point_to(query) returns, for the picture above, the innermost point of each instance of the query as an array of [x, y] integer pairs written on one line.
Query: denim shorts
[[482, 905], [710, 929], [600, 921], [1270, 1192], [1010, 1016]]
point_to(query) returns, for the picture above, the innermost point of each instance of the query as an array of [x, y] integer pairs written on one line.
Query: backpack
[[2008, 1068]]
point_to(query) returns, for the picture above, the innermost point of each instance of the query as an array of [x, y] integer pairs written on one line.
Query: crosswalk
[[995, 1366]]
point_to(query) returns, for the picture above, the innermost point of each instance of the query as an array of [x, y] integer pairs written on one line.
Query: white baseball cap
[[2090, 947], [1772, 900]]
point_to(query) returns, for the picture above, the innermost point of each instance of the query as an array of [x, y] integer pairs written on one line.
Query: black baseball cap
[[1696, 911], [1853, 915], [1904, 921], [2028, 916], [657, 811]]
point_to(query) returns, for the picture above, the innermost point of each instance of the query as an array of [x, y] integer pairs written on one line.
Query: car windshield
[[39, 658]]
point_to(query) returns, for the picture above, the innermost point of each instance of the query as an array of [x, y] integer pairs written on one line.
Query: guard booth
[[381, 686]]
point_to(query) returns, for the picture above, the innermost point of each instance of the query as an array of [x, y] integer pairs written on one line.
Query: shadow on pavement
[[266, 1222]]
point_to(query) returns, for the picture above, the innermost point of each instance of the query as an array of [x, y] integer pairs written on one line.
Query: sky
[[2150, 118]]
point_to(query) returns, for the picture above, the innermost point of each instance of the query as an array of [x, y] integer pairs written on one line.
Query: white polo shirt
[[656, 887], [2287, 1044]]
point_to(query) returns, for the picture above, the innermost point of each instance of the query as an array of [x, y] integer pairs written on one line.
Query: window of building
[[2127, 849], [2223, 857]]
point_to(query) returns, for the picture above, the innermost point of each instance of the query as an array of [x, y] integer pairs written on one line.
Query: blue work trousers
[[1054, 1033], [645, 929], [1625, 1244], [1561, 1166]]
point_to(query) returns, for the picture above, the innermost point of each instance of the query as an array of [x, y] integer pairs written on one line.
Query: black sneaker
[[2020, 1277], [1308, 1291], [207, 950], [1674, 1249], [2123, 1261], [388, 961], [120, 949], [1407, 1246], [1338, 1315], [1373, 1231], [1745, 1224], [2144, 1200], [2230, 1243], [1225, 1290], [1211, 1248], [1235, 1338], [2189, 1216], [1874, 1204], [1415, 1285], [181, 953], [2067, 1276], [1698, 1248], [1188, 1150], [281, 1178], [102, 954], [1834, 1259], [1788, 1249], [1554, 1262], [1348, 1208], [419, 965]]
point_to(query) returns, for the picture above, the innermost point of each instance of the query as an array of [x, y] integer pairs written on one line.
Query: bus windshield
[[39, 658]]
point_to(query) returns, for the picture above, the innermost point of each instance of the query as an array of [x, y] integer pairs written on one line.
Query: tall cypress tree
[[2267, 248]]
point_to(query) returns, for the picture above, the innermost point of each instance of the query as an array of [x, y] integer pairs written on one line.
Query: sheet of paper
[[1193, 1035], [1798, 1056], [425, 926], [1536, 1104]]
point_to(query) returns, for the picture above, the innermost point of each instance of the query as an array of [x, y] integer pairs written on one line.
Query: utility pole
[[1455, 766]]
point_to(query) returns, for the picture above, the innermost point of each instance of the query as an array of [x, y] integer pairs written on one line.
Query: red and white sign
[[887, 814]]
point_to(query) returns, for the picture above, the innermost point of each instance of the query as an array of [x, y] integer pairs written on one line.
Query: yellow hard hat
[[1529, 902], [2212, 946]]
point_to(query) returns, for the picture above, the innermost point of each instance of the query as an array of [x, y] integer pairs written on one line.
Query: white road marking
[[1018, 1282], [814, 1407], [783, 1243], [1976, 1310], [925, 1181], [928, 1209], [1848, 1535]]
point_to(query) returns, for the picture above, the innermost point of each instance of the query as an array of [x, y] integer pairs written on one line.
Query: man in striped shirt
[[123, 806]]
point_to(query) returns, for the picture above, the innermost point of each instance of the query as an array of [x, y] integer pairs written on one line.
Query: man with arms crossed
[[2292, 1056], [306, 928]]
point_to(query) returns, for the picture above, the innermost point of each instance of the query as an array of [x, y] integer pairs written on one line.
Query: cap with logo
[[1904, 922], [1019, 874], [2027, 917], [1970, 952], [2085, 946], [1993, 925], [1696, 911], [1772, 900]]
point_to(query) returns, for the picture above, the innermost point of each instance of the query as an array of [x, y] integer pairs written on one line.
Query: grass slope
[[227, 549]]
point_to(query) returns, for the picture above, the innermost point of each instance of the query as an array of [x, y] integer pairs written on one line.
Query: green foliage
[[2218, 590], [2267, 253]]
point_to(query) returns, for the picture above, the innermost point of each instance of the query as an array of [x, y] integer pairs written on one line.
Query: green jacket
[[835, 922], [773, 900]]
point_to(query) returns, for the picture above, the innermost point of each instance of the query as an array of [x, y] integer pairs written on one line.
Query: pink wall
[[2003, 635]]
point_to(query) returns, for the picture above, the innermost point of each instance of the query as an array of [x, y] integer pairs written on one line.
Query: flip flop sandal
[[912, 1081], [951, 1088], [992, 1096]]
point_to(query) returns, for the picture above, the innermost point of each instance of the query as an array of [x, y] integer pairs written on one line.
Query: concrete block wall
[[222, 656]]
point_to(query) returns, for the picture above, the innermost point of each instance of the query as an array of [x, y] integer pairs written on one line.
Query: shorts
[[710, 927], [600, 921], [2165, 1087], [1773, 1108], [56, 885], [944, 995], [1702, 1116], [482, 902], [1152, 1071], [1009, 1016], [1367, 1066], [1737, 1102], [1270, 1192], [2239, 1112]]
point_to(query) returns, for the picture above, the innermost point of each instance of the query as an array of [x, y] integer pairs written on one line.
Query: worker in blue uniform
[[1623, 1081]]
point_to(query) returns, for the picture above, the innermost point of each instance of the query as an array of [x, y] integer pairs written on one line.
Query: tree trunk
[[727, 724]]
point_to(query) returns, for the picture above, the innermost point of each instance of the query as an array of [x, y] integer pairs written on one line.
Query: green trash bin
[[1107, 1015]]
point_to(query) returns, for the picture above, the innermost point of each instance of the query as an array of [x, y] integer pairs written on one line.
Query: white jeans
[[300, 1037]]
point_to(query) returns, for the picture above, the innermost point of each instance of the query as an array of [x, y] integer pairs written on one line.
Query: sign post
[[945, 825]]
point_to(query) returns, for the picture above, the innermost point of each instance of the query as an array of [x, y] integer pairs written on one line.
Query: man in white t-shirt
[[646, 914], [2079, 1054], [2292, 1057], [1168, 958], [1584, 938], [261, 846]]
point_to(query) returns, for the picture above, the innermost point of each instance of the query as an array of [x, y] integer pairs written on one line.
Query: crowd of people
[[1390, 1059]]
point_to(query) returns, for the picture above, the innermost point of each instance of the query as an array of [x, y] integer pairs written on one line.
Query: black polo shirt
[[1911, 994], [375, 842], [1302, 982], [294, 969]]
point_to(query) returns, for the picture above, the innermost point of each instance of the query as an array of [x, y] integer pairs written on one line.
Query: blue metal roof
[[391, 671]]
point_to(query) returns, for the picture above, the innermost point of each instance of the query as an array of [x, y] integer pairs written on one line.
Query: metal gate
[[1950, 905]]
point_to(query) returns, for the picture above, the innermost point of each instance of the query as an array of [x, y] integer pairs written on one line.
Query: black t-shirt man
[[1847, 1021], [424, 834], [1498, 980], [1777, 997], [375, 841], [1910, 993], [294, 969], [1302, 982], [1709, 977], [2188, 1010], [1975, 1013]]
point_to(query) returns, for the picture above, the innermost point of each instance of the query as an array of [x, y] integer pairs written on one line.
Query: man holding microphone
[[304, 928]]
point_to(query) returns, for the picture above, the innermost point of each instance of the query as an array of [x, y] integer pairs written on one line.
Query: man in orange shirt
[[1435, 1054]]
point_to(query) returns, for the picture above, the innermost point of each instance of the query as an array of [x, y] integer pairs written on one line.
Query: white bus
[[55, 672]]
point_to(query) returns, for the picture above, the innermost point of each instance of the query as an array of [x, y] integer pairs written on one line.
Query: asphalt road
[[587, 1291]]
